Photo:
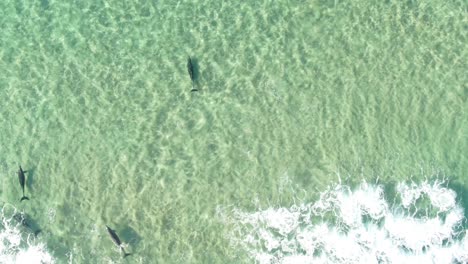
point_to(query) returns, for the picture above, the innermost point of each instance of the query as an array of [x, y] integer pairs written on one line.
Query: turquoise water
[[293, 96]]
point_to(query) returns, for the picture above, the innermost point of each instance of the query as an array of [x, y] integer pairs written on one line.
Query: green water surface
[[95, 102]]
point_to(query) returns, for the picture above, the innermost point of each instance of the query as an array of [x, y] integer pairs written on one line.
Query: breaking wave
[[422, 223], [18, 239]]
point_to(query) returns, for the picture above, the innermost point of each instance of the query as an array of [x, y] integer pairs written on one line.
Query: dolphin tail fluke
[[193, 87], [24, 198], [125, 253], [37, 232]]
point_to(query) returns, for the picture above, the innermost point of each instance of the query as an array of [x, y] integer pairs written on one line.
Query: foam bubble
[[16, 244], [359, 226]]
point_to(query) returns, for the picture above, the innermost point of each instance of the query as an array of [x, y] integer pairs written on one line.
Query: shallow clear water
[[294, 97]]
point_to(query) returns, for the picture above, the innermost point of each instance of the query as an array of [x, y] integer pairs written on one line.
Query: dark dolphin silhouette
[[116, 240], [22, 179], [190, 71], [26, 222]]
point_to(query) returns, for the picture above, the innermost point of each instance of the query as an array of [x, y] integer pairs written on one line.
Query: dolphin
[[24, 220], [116, 240], [190, 71], [21, 178]]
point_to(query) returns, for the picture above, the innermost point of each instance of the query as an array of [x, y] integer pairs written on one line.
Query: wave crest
[[17, 244], [424, 223]]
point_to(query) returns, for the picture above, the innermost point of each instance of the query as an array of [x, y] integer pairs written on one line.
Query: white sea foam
[[17, 245], [359, 226]]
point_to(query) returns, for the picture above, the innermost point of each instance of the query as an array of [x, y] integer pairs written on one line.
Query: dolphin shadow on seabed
[[27, 223], [31, 178], [130, 235]]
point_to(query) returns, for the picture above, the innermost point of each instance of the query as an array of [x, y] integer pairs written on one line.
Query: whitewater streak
[[18, 246], [423, 224]]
